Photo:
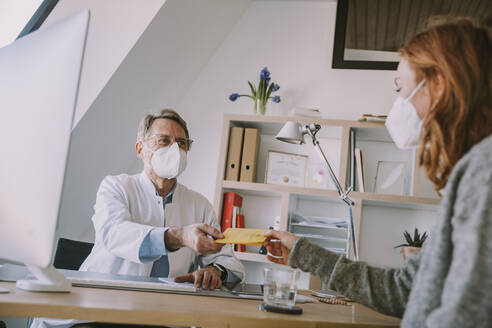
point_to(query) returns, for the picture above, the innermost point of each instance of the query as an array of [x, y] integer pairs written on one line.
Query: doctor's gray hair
[[146, 123]]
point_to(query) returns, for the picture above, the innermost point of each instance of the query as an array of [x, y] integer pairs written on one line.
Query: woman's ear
[[439, 85]]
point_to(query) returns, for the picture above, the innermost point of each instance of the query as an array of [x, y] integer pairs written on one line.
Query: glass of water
[[280, 286]]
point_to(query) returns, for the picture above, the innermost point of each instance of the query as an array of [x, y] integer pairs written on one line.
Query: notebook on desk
[[149, 284]]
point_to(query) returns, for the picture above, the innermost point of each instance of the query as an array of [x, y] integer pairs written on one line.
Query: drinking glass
[[280, 286]]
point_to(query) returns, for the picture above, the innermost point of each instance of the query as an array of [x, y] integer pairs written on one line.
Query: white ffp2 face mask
[[169, 162], [403, 123]]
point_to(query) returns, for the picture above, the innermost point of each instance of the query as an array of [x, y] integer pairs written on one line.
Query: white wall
[[114, 27], [294, 39], [382, 229], [155, 74]]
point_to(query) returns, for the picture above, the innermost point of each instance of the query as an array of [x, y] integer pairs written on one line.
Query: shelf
[[321, 237], [263, 202], [317, 226], [263, 189], [370, 198], [252, 257], [258, 121]]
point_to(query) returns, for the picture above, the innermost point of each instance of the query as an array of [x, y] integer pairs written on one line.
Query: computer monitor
[[39, 80]]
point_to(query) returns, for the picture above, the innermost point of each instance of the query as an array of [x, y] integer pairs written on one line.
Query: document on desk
[[243, 236], [171, 282]]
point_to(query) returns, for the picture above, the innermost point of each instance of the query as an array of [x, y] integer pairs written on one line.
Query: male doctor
[[150, 225]]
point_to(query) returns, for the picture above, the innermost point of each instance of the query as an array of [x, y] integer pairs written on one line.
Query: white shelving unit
[[262, 202]]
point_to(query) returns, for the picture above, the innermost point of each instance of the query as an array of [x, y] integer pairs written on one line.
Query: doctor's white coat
[[128, 207]]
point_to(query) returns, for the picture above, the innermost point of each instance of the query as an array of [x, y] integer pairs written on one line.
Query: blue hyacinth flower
[[276, 87], [276, 99], [265, 73], [234, 96]]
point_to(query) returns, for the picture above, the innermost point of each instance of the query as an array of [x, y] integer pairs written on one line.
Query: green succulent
[[416, 241]]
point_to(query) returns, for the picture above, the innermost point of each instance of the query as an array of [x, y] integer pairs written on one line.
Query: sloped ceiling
[[155, 74], [114, 28]]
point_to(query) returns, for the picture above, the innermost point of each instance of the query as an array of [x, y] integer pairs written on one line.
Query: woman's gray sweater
[[449, 283]]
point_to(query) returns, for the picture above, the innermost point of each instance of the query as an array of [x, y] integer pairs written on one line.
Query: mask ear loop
[[415, 90]]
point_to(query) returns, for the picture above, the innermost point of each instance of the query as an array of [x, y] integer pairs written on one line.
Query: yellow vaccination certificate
[[243, 236]]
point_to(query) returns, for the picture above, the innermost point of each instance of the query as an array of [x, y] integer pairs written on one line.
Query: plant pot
[[407, 250]]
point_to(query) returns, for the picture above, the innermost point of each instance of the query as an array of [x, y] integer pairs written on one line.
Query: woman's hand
[[279, 244]]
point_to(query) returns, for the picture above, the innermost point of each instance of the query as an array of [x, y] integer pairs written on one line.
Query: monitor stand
[[46, 280]]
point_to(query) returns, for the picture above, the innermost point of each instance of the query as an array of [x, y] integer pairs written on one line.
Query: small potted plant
[[261, 94], [413, 245]]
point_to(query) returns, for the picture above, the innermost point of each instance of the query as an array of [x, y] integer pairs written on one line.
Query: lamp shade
[[291, 133]]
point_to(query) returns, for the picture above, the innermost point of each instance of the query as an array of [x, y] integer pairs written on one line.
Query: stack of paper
[[373, 118]]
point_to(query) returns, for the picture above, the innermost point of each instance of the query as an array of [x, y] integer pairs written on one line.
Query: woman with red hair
[[445, 106]]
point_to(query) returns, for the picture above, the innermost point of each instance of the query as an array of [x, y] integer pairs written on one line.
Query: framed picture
[[317, 176], [286, 169], [369, 33]]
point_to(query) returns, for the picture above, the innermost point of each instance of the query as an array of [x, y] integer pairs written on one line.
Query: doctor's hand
[[206, 278], [279, 244], [194, 236]]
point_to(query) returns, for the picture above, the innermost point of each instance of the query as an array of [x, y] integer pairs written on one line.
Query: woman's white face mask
[[169, 162], [403, 123]]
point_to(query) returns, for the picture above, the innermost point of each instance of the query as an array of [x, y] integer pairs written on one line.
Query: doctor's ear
[[139, 149]]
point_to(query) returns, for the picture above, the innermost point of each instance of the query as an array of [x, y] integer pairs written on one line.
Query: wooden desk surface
[[149, 308]]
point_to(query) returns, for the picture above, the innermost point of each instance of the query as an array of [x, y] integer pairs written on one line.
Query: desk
[[149, 308]]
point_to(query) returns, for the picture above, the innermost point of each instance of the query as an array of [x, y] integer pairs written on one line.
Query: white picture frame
[[286, 169], [390, 178]]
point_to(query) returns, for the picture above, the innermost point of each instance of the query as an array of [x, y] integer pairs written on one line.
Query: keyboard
[[164, 284]]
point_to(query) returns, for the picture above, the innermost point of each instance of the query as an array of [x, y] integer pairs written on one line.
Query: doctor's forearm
[[173, 238]]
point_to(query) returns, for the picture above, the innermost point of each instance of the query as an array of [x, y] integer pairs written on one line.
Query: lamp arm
[[352, 232], [343, 194]]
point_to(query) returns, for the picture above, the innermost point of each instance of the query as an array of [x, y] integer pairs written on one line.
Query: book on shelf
[[238, 222], [234, 153], [352, 159], [359, 161], [231, 200], [235, 211], [249, 157]]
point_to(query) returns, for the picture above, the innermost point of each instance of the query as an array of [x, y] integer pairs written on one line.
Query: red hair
[[460, 52]]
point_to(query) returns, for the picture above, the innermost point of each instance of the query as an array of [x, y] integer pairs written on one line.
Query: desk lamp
[[294, 133]]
